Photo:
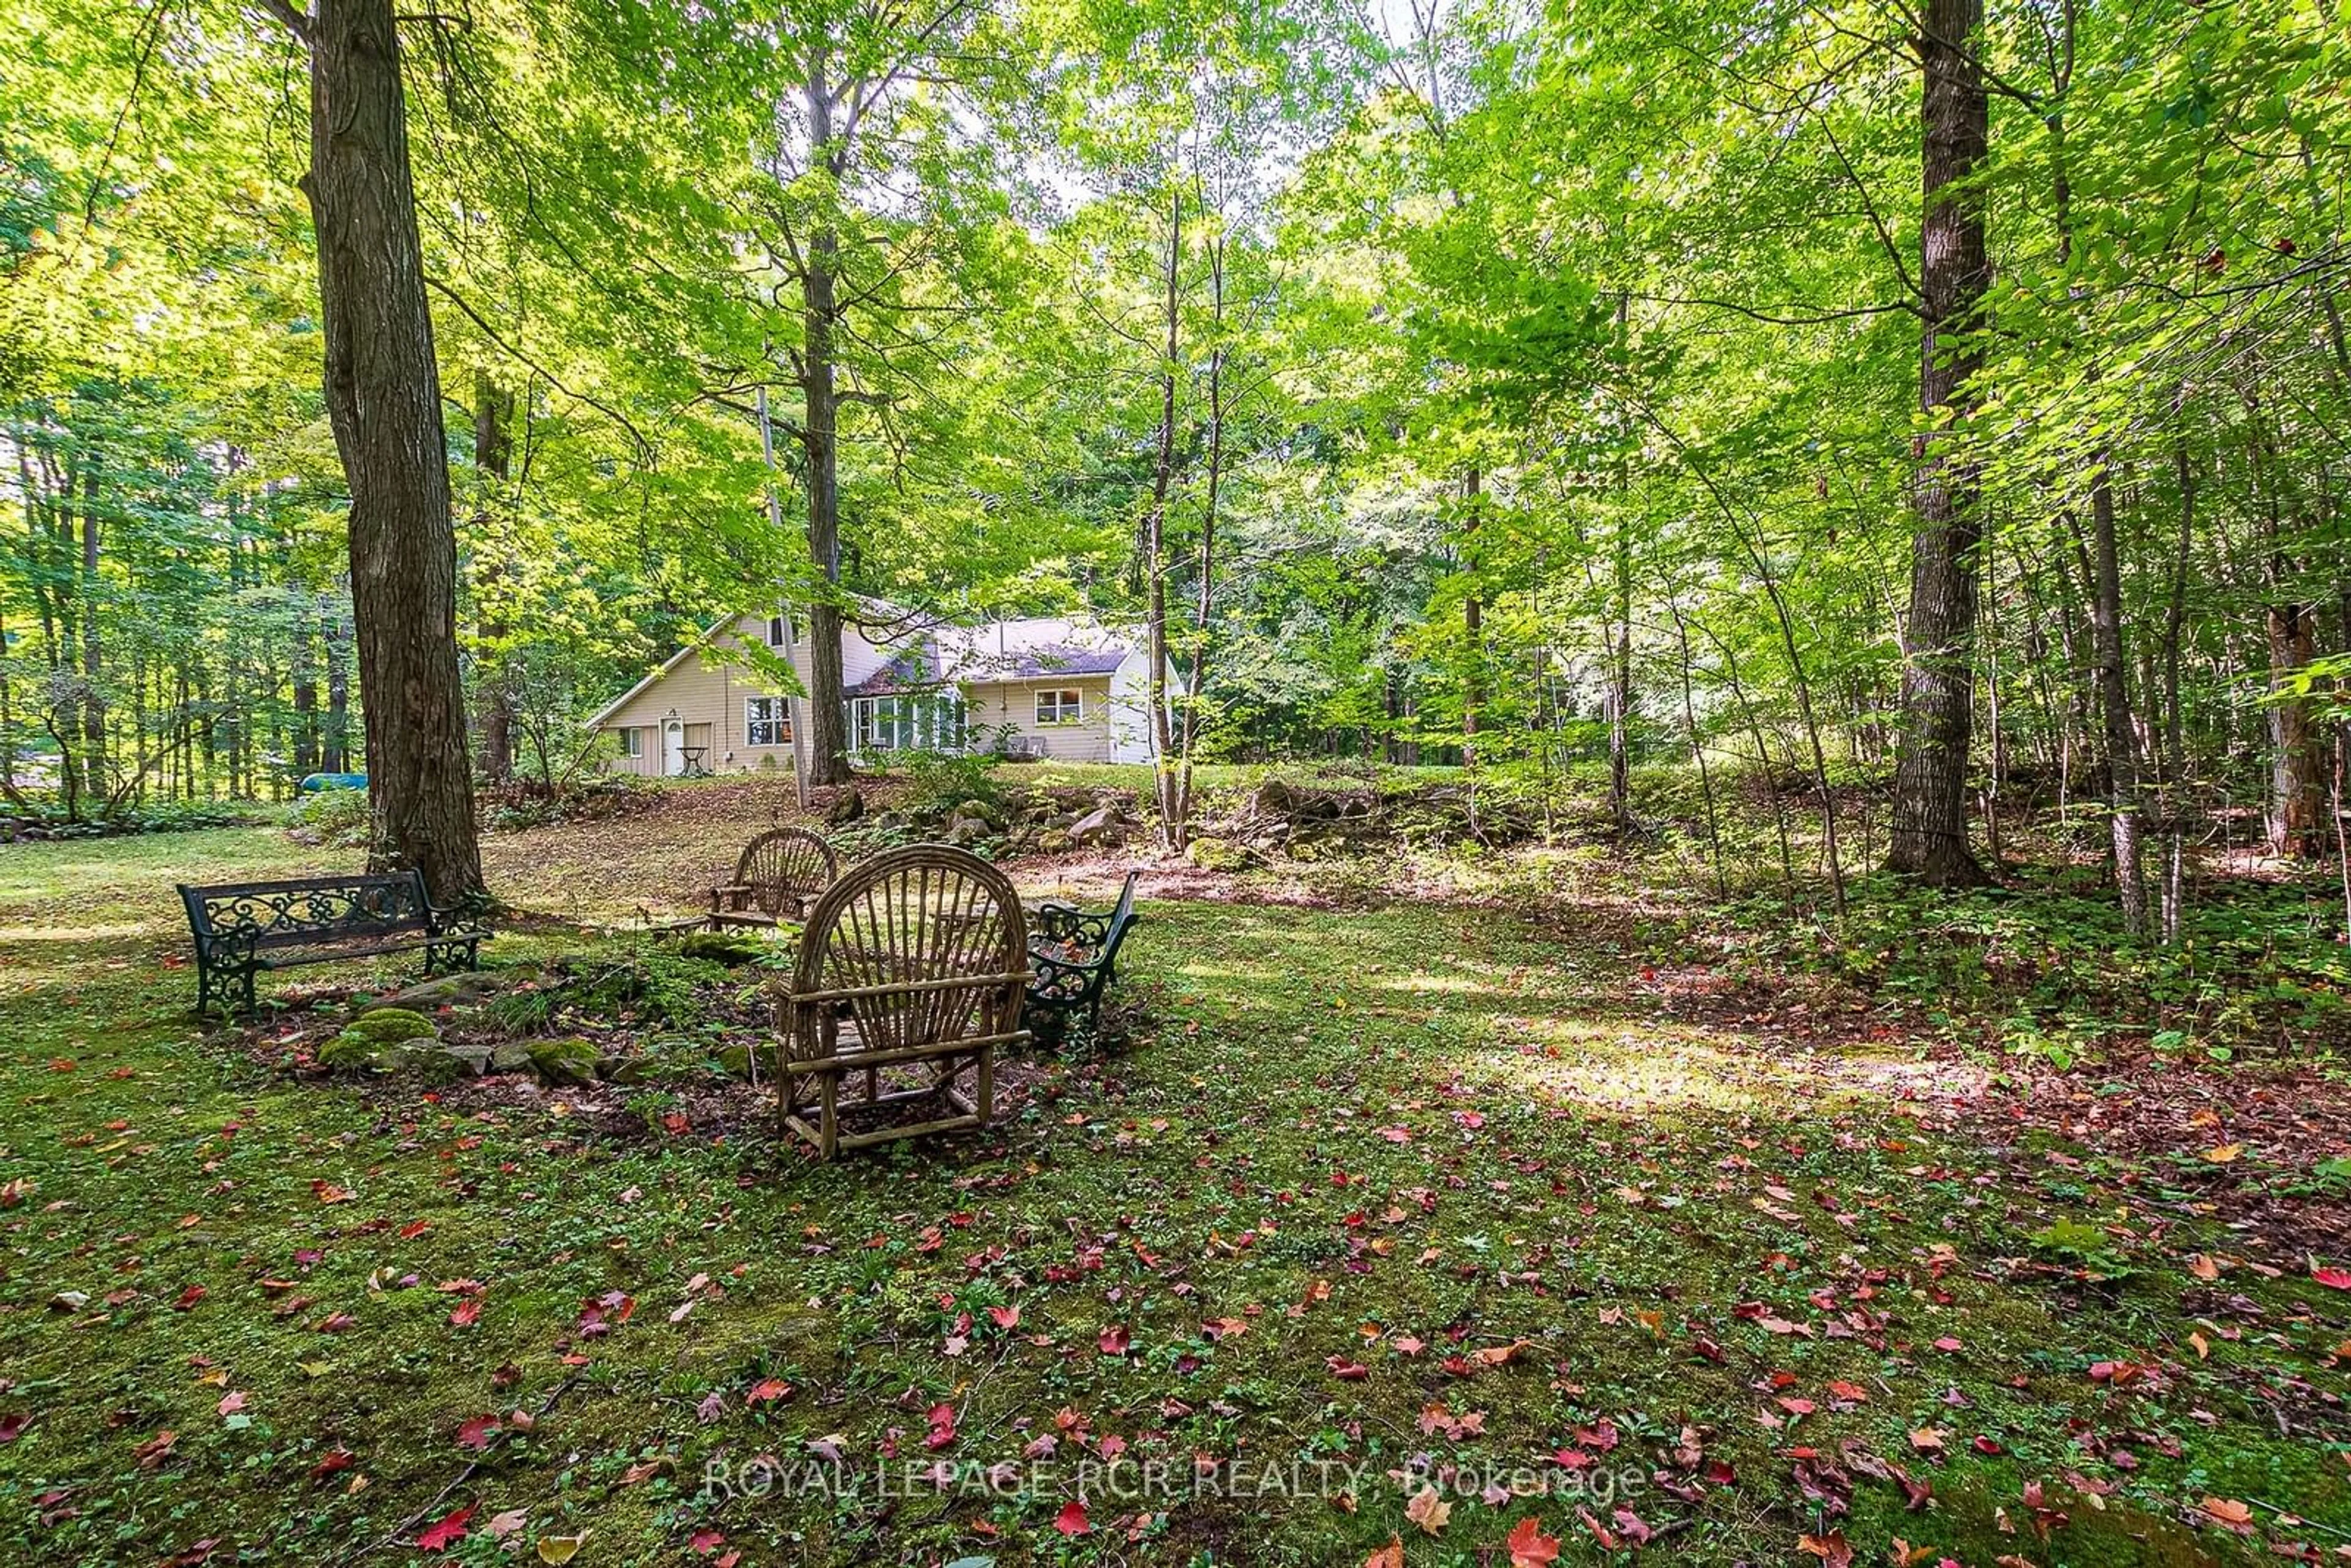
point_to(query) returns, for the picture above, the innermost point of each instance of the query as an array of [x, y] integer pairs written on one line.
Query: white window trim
[[779, 721], [1071, 712], [633, 740]]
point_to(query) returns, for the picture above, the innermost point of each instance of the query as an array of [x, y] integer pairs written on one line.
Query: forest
[[1593, 386], [1744, 876]]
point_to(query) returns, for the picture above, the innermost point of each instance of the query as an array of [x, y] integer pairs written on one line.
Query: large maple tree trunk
[[828, 748], [1929, 816], [383, 398]]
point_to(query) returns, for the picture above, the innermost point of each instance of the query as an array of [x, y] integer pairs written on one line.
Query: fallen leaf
[[446, 1532], [1530, 1547], [1429, 1509]]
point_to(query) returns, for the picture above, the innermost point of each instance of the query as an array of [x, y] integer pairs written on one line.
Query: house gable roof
[[596, 719], [1043, 664], [1039, 649]]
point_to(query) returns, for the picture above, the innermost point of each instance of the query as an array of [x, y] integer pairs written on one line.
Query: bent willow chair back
[[911, 973], [778, 876]]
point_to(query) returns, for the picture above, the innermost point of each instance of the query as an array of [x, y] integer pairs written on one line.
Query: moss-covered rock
[[571, 1060], [462, 991], [439, 1064], [735, 1060], [728, 947], [1217, 854], [391, 1026], [1053, 841], [351, 1051]]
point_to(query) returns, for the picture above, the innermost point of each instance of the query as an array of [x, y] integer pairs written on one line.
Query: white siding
[[990, 707], [707, 694]]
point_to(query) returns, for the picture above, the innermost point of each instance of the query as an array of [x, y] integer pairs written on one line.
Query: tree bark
[[2297, 770], [1155, 539], [335, 741], [1197, 677], [383, 400], [93, 659], [306, 695], [493, 465], [2114, 701], [1929, 816], [820, 426], [1473, 614], [1620, 686]]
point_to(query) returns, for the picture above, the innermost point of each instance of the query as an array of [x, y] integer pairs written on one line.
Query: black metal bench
[[1072, 958], [243, 930]]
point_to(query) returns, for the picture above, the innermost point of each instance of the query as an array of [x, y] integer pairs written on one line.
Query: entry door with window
[[672, 755]]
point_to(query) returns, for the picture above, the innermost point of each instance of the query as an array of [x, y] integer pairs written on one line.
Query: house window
[[633, 742], [1066, 706], [765, 722], [776, 634], [931, 722]]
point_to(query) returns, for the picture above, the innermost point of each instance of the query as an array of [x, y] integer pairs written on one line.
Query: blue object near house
[[319, 783]]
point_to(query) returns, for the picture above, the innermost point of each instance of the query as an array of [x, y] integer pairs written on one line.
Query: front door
[[672, 748]]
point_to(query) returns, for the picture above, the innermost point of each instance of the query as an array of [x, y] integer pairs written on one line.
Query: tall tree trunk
[[1197, 677], [1620, 686], [93, 662], [493, 464], [820, 428], [1620, 659], [2175, 743], [1155, 539], [1473, 613], [2114, 699], [335, 741], [2296, 769], [306, 694], [1930, 816], [383, 400]]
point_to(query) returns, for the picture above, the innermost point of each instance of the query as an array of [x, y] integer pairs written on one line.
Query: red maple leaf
[[445, 1533], [1530, 1547]]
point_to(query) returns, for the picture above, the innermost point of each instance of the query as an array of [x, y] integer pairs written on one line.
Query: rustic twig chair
[[912, 964], [778, 876]]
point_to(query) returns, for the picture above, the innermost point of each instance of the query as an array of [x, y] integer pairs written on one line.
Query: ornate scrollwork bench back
[[242, 929]]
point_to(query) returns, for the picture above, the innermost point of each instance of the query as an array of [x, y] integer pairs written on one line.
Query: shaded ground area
[[1416, 1221]]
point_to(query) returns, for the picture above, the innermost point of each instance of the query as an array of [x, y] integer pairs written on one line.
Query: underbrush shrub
[[47, 818], [943, 780], [512, 808], [333, 818]]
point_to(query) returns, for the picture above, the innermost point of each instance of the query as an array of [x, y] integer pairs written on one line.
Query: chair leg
[[986, 1103], [829, 1126]]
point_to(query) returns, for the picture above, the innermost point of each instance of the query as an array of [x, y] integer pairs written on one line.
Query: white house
[[1064, 689]]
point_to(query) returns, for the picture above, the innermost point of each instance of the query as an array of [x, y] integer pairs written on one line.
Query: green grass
[[1478, 1130]]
